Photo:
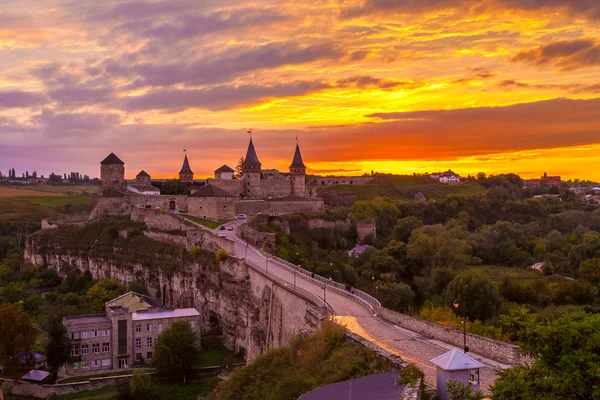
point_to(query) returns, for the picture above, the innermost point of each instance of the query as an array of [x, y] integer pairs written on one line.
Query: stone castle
[[257, 191]]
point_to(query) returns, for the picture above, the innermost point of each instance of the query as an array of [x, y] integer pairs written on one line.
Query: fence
[[370, 301], [291, 286]]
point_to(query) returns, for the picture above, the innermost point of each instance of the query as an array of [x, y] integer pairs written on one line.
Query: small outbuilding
[[456, 366], [35, 375]]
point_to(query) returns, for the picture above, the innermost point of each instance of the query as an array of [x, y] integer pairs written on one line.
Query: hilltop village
[[257, 190]]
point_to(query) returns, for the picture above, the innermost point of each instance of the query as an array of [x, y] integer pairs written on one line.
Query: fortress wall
[[276, 188], [233, 186], [65, 219], [217, 208], [122, 206], [278, 207], [364, 228], [343, 180]]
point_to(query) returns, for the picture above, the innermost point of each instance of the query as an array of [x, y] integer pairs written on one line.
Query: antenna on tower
[[249, 132], [185, 150]]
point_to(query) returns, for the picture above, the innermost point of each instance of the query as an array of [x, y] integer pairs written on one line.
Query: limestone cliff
[[251, 312]]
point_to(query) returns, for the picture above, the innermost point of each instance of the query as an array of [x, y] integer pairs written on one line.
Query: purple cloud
[[19, 99], [565, 55], [74, 124]]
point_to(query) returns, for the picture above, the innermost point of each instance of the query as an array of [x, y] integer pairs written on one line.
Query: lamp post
[[456, 304], [324, 298], [246, 252], [299, 266], [267, 265]]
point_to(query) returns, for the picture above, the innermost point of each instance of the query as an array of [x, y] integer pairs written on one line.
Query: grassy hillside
[[405, 186]]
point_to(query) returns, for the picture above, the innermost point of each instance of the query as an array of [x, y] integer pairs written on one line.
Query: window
[[105, 347], [85, 335], [96, 363], [159, 327], [149, 341], [85, 364], [148, 327], [108, 332], [96, 348], [106, 363], [74, 335], [138, 356], [75, 350], [84, 349], [138, 343], [149, 355], [123, 363], [94, 333], [75, 365], [138, 328]]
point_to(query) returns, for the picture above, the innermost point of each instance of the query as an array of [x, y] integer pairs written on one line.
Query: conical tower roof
[[297, 161], [185, 168], [112, 159], [251, 158]]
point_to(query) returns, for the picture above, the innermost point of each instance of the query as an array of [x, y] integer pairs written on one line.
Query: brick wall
[[501, 351]]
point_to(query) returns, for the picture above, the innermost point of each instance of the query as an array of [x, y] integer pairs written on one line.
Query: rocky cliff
[[251, 312]]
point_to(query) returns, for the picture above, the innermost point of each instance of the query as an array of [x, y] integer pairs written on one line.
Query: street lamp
[[267, 265], [246, 252], [295, 276], [324, 298], [464, 322]]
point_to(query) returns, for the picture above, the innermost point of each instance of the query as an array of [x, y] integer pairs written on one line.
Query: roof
[[86, 319], [251, 158], [210, 191], [175, 313], [361, 248], [36, 375], [297, 161], [143, 188], [379, 386], [455, 360], [185, 168], [143, 174], [224, 168], [133, 302], [112, 159]]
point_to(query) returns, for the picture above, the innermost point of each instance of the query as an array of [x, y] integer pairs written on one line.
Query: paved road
[[409, 345]]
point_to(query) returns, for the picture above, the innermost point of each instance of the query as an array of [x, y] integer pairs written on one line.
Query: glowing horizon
[[491, 85]]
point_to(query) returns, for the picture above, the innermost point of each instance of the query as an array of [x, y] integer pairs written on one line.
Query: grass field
[[48, 190], [108, 392], [87, 377], [52, 200], [497, 273], [206, 222], [9, 191]]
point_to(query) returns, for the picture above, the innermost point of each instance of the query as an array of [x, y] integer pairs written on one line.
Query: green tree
[[404, 228], [58, 351], [458, 391], [138, 286], [477, 297], [140, 385], [17, 335], [394, 295], [567, 361], [104, 290], [540, 250], [589, 269], [174, 187], [177, 350]]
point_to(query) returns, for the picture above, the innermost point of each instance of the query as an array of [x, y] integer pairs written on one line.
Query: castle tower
[[186, 174], [298, 174], [143, 178], [251, 173], [112, 174]]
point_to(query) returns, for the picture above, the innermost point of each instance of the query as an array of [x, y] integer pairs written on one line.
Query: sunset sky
[[397, 86]]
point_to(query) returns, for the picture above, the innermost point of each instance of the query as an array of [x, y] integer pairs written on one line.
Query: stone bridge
[[411, 339]]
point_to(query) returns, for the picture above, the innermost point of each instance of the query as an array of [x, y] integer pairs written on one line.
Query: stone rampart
[[278, 207], [276, 188], [123, 206], [233, 186], [341, 180], [496, 350], [170, 227], [37, 391], [65, 219], [255, 238]]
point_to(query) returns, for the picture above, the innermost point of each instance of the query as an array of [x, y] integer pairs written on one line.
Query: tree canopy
[[177, 350]]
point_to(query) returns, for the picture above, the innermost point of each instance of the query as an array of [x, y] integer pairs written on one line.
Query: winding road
[[356, 317]]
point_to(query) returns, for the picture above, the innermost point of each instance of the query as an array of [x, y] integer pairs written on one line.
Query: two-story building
[[122, 337]]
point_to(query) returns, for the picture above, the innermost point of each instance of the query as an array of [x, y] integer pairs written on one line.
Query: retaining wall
[[278, 207], [51, 223], [496, 350]]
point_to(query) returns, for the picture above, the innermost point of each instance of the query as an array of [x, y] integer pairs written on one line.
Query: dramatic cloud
[[18, 99], [74, 124], [564, 55]]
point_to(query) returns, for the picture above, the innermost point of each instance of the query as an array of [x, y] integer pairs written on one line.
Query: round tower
[[251, 170], [298, 174]]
